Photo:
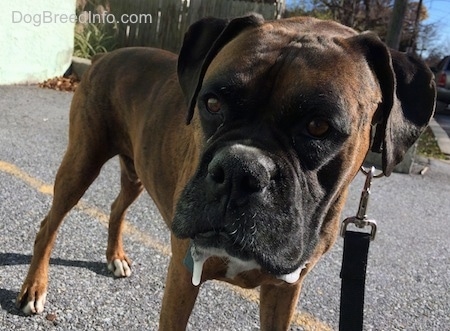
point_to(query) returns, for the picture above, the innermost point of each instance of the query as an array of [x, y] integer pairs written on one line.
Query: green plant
[[93, 39]]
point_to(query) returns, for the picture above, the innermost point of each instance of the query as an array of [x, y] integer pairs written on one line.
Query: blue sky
[[439, 12]]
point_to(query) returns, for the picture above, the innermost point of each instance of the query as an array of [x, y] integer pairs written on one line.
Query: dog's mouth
[[234, 243], [212, 238], [216, 244]]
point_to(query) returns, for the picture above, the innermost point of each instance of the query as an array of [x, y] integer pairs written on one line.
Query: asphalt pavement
[[444, 121], [408, 282]]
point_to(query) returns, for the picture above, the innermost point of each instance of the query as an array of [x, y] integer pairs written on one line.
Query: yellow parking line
[[31, 181], [96, 213], [307, 321], [129, 229]]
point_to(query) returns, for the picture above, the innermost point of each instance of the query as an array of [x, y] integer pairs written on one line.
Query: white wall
[[36, 39]]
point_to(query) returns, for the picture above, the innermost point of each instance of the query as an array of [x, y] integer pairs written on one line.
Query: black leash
[[353, 274], [354, 261]]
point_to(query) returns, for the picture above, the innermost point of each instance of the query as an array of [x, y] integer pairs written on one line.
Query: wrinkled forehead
[[289, 59], [271, 41]]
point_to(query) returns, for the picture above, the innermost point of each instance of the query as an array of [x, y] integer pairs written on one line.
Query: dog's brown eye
[[213, 105], [318, 128]]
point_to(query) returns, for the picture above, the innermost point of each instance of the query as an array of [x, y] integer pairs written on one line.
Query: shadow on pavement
[[8, 302], [9, 259], [8, 297]]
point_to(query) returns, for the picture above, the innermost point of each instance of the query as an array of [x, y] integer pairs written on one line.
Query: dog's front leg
[[278, 303], [179, 294]]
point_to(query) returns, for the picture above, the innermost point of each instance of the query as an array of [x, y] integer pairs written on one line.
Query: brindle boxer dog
[[280, 116]]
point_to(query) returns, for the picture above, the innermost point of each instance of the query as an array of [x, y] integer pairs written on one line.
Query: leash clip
[[360, 220], [360, 224]]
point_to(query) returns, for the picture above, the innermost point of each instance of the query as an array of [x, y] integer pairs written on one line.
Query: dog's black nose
[[237, 172]]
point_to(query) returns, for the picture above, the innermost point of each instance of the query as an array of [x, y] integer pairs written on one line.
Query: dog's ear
[[203, 40], [408, 92]]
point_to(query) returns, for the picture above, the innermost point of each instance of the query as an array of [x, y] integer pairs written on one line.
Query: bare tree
[[373, 15]]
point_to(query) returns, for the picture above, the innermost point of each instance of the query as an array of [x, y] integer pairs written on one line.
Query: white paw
[[120, 268], [35, 307]]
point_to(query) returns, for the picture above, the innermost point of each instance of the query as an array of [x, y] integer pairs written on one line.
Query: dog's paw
[[120, 268], [31, 301]]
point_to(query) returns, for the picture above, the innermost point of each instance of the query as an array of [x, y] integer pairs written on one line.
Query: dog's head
[[289, 110]]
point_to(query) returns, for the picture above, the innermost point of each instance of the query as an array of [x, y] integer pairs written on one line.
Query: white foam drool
[[293, 276], [199, 259], [235, 265]]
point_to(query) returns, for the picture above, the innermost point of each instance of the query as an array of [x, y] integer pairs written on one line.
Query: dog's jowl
[[247, 142]]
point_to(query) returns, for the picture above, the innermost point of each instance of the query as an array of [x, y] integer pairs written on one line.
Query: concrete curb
[[405, 166], [441, 136]]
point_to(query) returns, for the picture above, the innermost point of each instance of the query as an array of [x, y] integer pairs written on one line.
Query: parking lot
[[408, 274]]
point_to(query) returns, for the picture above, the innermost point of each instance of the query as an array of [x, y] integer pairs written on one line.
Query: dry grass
[[68, 84], [427, 146]]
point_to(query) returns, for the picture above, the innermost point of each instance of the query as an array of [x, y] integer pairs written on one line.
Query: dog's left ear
[[203, 40], [409, 95]]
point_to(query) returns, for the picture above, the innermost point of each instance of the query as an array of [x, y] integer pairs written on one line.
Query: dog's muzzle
[[239, 205]]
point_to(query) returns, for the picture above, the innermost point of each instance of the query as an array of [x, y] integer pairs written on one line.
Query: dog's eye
[[213, 105], [318, 128]]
